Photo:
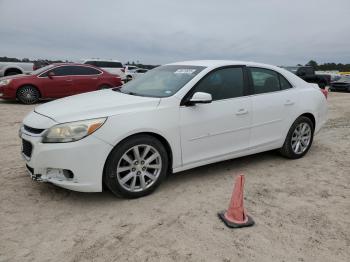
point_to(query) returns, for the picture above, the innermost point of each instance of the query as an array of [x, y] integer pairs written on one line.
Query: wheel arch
[[104, 84], [305, 114], [37, 88], [159, 137], [311, 117], [13, 69]]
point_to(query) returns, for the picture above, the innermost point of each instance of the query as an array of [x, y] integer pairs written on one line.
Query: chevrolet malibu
[[175, 117], [56, 81]]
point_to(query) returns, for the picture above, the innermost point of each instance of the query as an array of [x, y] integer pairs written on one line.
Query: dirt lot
[[301, 208]]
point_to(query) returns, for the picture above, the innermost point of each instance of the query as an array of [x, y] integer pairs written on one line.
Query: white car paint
[[197, 135], [112, 70], [18, 67]]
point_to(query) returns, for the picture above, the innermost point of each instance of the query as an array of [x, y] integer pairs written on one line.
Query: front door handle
[[242, 111], [289, 103], [69, 80]]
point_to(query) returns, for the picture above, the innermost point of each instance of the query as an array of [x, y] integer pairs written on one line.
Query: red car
[[55, 81]]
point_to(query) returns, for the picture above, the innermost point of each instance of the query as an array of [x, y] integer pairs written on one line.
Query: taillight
[[325, 92]]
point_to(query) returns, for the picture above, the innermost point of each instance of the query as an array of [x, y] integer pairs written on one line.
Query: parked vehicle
[[55, 81], [39, 64], [114, 67], [132, 74], [176, 117], [307, 73], [130, 68], [342, 84], [15, 68]]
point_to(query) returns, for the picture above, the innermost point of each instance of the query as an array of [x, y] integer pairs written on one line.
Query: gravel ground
[[301, 207]]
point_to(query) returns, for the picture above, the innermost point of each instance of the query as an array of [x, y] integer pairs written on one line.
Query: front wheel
[[136, 167], [299, 138], [28, 95]]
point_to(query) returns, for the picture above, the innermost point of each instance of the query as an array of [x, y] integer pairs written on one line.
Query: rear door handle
[[242, 111], [69, 80], [289, 103]]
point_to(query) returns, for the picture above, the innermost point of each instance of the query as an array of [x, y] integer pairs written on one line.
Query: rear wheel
[[136, 167], [104, 87], [28, 94], [299, 138]]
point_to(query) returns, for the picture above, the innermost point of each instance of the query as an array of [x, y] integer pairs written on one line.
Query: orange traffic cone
[[236, 216]]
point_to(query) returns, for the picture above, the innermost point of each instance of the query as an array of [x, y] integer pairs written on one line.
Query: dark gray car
[[342, 84]]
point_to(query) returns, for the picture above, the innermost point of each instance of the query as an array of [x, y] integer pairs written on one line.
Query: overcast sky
[[160, 31]]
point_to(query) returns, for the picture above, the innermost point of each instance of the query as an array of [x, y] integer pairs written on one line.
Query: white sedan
[[175, 117]]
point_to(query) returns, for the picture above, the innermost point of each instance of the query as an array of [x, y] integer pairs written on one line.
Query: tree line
[[27, 60], [329, 66], [321, 67]]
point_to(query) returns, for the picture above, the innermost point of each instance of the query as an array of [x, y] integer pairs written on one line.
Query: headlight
[[5, 82], [73, 131]]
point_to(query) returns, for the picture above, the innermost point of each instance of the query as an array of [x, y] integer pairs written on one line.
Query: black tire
[[28, 94], [104, 87], [110, 176], [128, 78], [286, 150]]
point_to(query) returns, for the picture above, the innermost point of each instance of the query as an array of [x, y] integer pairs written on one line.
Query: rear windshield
[[105, 64], [162, 81]]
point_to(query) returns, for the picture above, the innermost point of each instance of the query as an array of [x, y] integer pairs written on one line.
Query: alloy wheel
[[28, 95], [139, 168], [301, 138]]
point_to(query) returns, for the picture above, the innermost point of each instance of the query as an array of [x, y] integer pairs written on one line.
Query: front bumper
[[85, 159], [7, 92]]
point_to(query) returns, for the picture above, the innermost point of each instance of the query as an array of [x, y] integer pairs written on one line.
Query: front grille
[[27, 148], [33, 130]]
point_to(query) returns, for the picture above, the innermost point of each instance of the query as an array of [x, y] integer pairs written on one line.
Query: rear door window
[[264, 80], [84, 70], [284, 83]]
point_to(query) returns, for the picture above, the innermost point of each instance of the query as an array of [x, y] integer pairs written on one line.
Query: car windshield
[[42, 69], [163, 81], [344, 79]]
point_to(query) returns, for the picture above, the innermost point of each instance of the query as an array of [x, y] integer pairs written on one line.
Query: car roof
[[101, 60], [73, 64], [212, 64], [218, 63]]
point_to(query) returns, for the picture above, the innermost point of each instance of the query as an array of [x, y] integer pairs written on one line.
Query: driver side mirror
[[51, 74], [200, 98]]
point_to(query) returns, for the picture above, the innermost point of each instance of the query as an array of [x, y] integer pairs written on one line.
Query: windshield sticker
[[185, 71]]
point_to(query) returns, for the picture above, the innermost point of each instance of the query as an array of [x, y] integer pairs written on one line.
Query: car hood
[[96, 104]]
